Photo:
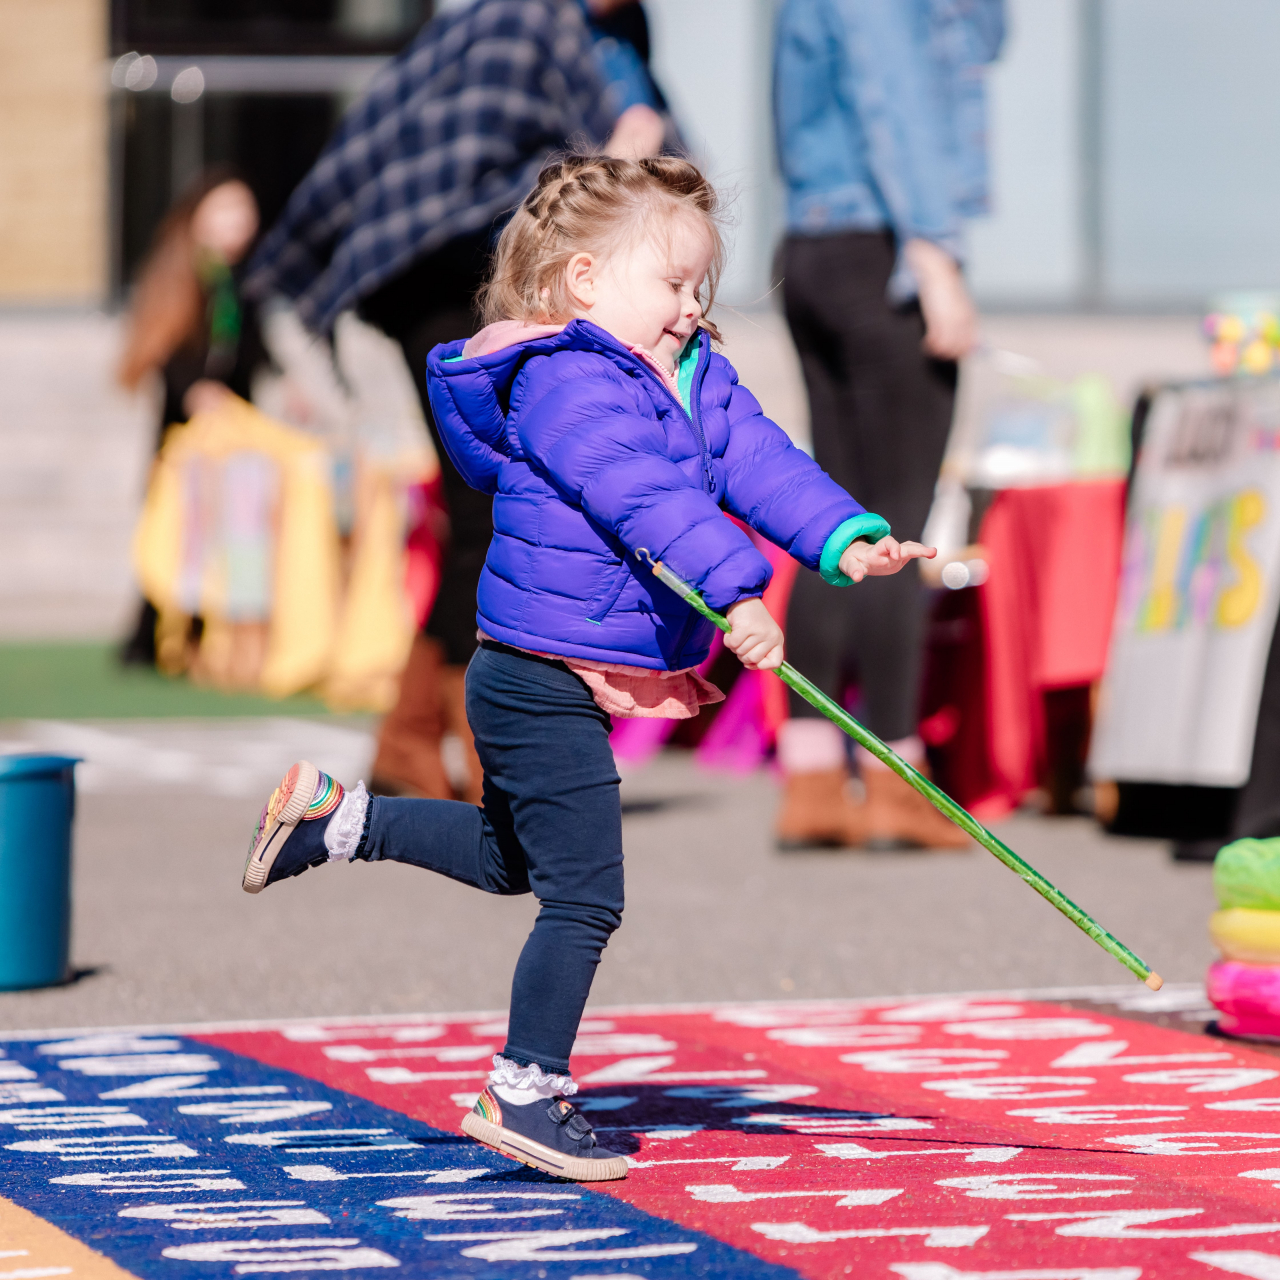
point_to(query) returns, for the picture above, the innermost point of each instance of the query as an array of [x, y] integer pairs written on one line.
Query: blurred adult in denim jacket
[[396, 220], [880, 118]]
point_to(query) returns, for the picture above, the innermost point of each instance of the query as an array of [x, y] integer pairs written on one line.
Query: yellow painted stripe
[[31, 1249]]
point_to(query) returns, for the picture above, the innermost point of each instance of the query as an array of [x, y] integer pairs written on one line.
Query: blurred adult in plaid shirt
[[396, 219]]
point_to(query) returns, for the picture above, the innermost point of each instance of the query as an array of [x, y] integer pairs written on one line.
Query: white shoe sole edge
[[534, 1154], [262, 856]]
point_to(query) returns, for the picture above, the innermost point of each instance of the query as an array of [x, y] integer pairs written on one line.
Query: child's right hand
[[756, 638], [863, 559]]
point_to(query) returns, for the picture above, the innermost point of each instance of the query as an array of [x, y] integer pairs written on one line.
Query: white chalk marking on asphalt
[[1205, 1079], [1034, 1186], [403, 1075], [739, 1164], [464, 1205], [1108, 1053], [1241, 1262], [186, 1087], [934, 1237], [324, 1173], [284, 1255], [727, 1193], [940, 1271], [972, 1155], [650, 1068], [356, 1140], [236, 1214], [1129, 1224], [539, 1246]]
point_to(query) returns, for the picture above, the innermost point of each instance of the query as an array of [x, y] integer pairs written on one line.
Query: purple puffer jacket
[[590, 456]]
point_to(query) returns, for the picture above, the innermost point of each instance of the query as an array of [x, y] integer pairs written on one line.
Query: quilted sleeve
[[778, 489], [593, 435]]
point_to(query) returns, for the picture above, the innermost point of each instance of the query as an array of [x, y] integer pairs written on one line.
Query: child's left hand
[[756, 638], [862, 559]]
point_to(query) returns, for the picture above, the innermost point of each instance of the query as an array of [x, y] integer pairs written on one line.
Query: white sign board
[[1199, 589]]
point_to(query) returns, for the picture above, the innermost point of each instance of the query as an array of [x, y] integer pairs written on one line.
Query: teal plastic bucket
[[37, 804]]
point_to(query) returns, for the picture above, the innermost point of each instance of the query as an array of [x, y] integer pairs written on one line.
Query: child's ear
[[580, 280]]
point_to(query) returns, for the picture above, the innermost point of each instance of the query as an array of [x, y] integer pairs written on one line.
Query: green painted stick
[[938, 798]]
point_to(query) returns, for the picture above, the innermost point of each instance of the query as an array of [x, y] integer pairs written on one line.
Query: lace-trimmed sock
[[520, 1086]]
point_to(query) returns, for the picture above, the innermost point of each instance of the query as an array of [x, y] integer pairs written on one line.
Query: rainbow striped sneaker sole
[[304, 795]]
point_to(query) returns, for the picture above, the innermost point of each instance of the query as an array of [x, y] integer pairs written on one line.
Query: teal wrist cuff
[[868, 526]]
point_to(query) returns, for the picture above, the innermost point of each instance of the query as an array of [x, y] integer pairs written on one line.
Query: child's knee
[[604, 920]]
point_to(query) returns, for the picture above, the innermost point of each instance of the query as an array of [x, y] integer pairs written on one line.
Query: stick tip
[[1154, 980]]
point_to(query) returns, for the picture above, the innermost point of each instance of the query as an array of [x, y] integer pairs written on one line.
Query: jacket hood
[[469, 383]]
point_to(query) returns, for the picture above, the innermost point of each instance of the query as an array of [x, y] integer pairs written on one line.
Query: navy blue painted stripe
[[179, 1160]]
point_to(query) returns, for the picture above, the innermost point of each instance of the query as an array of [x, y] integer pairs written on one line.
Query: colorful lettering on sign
[[1183, 569]]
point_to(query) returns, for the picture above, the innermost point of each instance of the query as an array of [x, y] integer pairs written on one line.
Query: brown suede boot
[[817, 811], [453, 686], [408, 762], [899, 817]]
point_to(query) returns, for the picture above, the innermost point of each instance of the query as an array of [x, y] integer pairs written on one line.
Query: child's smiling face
[[646, 293]]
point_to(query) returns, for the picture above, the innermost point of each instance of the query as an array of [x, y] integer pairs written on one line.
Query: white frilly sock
[[519, 1085], [342, 835]]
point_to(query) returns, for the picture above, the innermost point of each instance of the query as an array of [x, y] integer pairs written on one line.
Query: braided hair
[[591, 203]]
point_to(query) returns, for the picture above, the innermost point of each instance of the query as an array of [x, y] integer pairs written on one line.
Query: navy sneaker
[[551, 1135], [290, 833]]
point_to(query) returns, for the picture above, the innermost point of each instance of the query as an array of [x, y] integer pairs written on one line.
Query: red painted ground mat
[[930, 1139]]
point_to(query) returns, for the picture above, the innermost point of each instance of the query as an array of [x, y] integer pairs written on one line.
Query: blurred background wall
[[1126, 134], [1130, 141], [53, 151]]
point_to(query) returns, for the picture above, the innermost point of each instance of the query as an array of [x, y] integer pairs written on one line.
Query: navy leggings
[[551, 825]]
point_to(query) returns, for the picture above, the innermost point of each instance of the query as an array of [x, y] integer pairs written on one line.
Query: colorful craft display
[[239, 529], [1245, 984], [1244, 333]]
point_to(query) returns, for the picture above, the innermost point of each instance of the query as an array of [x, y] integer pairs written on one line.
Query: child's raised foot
[[290, 834], [551, 1135]]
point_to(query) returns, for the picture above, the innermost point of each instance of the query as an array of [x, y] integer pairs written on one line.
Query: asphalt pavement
[[164, 933]]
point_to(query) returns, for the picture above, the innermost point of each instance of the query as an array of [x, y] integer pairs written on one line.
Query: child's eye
[[676, 285]]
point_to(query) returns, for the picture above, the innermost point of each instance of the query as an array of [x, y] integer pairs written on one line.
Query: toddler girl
[[595, 410]]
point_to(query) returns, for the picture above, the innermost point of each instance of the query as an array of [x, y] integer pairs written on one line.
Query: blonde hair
[[590, 203]]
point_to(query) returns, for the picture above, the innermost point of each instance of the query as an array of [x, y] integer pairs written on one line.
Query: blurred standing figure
[[880, 117], [397, 218], [189, 323]]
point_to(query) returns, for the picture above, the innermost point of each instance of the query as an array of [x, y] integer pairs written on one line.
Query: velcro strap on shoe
[[578, 1128]]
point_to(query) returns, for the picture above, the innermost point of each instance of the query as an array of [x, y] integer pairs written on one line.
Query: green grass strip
[[71, 680]]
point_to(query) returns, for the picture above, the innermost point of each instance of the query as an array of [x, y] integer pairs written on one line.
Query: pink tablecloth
[[1042, 621]]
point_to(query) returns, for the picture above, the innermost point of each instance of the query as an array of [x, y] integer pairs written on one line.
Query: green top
[[686, 365]]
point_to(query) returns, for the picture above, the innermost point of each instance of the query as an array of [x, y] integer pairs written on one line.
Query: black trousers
[[881, 412], [429, 303]]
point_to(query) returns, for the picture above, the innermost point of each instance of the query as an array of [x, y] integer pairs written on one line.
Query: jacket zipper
[[695, 418], [695, 421]]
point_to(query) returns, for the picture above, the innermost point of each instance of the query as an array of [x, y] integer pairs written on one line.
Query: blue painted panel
[[179, 1160]]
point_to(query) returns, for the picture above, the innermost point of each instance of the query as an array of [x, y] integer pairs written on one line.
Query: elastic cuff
[[867, 526]]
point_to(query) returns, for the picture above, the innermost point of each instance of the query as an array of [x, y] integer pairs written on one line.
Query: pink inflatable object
[[1248, 997]]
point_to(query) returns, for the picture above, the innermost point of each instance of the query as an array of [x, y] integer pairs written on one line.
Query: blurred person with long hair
[[189, 325], [396, 221]]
